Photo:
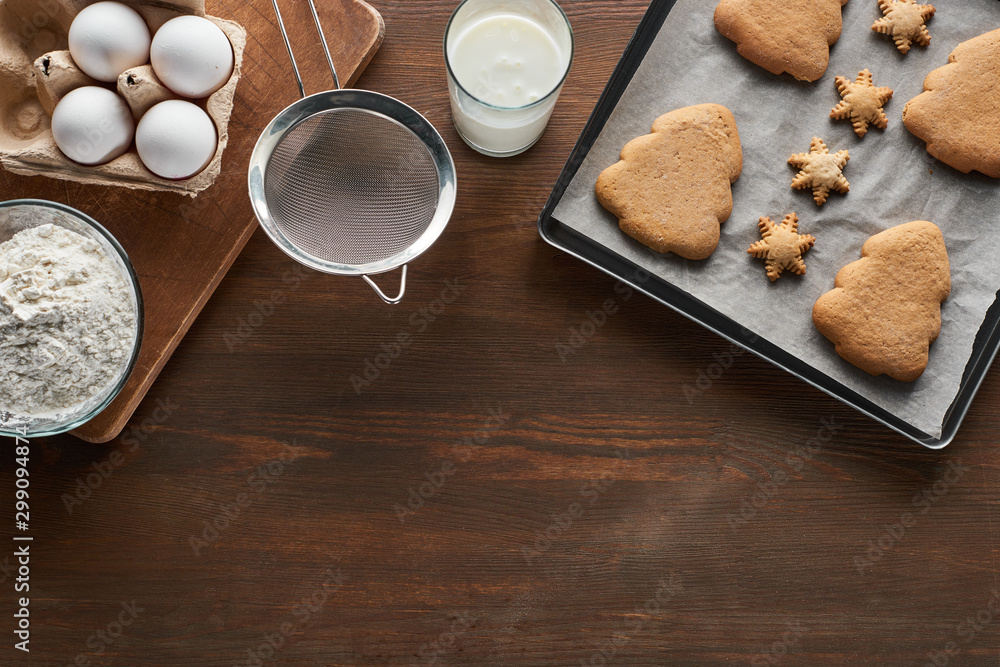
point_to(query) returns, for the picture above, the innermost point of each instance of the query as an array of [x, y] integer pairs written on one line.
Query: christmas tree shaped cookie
[[958, 114], [671, 189], [886, 308], [791, 36]]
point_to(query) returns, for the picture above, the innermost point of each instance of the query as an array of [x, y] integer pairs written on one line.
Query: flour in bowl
[[67, 321]]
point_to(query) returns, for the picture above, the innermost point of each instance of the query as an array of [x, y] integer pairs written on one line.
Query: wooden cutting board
[[183, 247]]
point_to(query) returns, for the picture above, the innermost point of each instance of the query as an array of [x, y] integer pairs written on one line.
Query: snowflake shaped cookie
[[904, 21], [782, 246], [862, 103], [821, 171]]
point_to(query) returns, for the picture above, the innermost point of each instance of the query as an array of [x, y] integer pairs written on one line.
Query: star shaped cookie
[[782, 246], [862, 103], [904, 21], [821, 171]]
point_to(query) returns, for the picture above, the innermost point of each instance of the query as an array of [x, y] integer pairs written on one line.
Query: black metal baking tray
[[984, 350]]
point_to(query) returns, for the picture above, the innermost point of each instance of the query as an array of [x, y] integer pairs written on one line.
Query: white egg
[[192, 56], [92, 125], [107, 38], [176, 139]]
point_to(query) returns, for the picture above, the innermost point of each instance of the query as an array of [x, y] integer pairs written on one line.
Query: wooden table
[[496, 496]]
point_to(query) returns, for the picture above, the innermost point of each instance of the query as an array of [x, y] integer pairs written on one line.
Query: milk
[[505, 71], [507, 61]]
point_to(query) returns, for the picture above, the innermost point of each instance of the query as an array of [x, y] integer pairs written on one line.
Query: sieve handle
[[291, 53], [288, 45], [326, 47], [402, 289]]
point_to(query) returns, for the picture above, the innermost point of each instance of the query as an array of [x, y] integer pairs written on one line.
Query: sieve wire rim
[[366, 101]]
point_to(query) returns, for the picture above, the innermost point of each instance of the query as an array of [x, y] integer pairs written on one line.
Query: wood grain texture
[[708, 526], [181, 248]]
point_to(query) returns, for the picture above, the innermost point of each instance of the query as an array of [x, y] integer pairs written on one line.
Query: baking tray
[[984, 350]]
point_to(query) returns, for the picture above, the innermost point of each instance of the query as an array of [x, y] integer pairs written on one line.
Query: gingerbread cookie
[[671, 189], [862, 103], [791, 36], [957, 114], [886, 308], [821, 171], [904, 21], [782, 246]]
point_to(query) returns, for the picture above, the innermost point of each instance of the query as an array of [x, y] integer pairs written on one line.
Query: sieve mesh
[[352, 187]]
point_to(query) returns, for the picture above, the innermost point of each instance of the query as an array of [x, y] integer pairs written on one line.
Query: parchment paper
[[893, 181]]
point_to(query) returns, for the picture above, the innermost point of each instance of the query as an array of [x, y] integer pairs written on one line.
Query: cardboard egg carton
[[36, 71]]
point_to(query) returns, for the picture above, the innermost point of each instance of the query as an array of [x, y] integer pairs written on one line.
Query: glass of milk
[[507, 60]]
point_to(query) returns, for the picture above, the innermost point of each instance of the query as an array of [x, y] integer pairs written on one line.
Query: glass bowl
[[21, 214]]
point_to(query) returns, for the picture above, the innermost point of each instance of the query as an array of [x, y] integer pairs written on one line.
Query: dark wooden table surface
[[486, 500]]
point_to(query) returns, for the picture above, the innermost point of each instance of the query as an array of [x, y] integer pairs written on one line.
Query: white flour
[[66, 321]]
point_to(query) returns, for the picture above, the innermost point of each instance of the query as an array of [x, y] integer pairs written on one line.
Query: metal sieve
[[351, 182]]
